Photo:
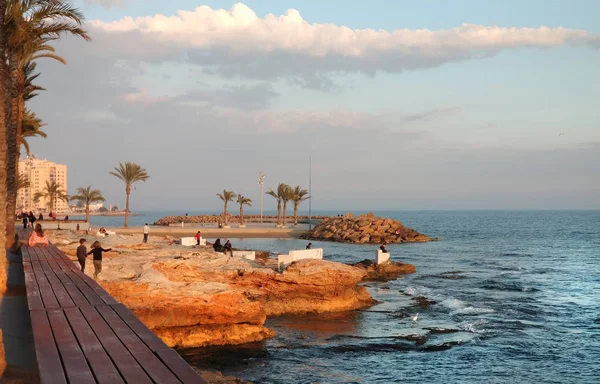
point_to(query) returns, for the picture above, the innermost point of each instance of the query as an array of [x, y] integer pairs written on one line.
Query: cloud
[[433, 114], [106, 3], [237, 42]]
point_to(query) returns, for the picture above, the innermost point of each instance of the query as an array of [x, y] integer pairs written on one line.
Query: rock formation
[[214, 219], [384, 272], [194, 298], [364, 229]]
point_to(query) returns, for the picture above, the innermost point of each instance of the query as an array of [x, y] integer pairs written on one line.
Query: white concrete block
[[316, 253], [283, 261], [382, 257], [188, 241], [250, 255]]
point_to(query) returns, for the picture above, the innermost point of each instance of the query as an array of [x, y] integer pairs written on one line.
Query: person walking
[[146, 232], [25, 220], [198, 236], [97, 251], [82, 254]]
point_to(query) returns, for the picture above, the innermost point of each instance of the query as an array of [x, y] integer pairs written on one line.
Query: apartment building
[[38, 172]]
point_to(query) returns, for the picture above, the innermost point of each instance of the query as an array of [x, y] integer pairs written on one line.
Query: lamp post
[[261, 181]]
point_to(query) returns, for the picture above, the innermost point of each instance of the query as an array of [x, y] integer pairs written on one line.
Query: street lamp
[[261, 181]]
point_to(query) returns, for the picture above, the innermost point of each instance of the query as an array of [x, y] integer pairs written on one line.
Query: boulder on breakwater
[[214, 219], [364, 229]]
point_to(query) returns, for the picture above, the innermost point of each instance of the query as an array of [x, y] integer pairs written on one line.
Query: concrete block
[[316, 253], [382, 257], [283, 261], [250, 255], [188, 241]]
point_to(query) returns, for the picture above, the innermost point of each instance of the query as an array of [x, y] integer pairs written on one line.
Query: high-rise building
[[39, 172]]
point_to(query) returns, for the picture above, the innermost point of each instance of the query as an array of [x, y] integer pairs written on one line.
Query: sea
[[502, 297]]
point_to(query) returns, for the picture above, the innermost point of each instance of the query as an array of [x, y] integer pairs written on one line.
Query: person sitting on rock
[[217, 246], [228, 248], [382, 247]]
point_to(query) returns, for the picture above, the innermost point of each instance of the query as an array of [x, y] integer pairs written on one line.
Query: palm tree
[[51, 192], [31, 127], [242, 200], [129, 173], [281, 188], [23, 181], [28, 29], [299, 195], [227, 196], [286, 195], [87, 196]]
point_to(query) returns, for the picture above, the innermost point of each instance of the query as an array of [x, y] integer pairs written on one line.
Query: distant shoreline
[[119, 213], [213, 233]]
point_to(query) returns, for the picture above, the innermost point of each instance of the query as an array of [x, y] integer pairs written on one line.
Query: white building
[[38, 172], [96, 207]]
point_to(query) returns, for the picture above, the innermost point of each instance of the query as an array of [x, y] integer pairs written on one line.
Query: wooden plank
[[34, 298], [148, 337], [62, 296], [93, 284], [38, 251], [25, 253], [101, 364], [76, 295], [32, 254], [129, 368], [151, 364], [46, 292], [74, 361], [179, 367], [56, 253], [48, 359], [89, 293]]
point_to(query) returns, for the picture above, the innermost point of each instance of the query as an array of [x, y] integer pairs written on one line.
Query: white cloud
[[237, 42]]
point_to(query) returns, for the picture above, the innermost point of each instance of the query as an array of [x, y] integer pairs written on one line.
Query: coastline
[[213, 233]]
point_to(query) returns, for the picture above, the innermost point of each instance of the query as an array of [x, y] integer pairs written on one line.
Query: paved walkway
[[16, 328]]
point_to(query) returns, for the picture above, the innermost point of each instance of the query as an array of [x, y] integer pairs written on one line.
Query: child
[[97, 251], [38, 237], [82, 254], [198, 237]]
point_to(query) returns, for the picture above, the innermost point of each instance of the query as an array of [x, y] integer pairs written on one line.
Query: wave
[[472, 311], [494, 285]]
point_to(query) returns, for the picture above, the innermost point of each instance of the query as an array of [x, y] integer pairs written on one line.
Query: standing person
[[82, 254], [309, 246], [25, 220], [38, 237], [41, 217], [146, 232], [97, 251], [31, 218], [198, 236]]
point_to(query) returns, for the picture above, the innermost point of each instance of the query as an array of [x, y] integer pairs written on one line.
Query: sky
[[400, 105]]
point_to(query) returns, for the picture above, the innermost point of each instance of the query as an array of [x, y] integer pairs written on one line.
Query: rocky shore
[[197, 297], [364, 229], [232, 219]]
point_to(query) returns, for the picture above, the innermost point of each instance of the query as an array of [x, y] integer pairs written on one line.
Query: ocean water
[[503, 297]]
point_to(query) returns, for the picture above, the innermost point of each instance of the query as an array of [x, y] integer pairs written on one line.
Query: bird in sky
[[561, 134]]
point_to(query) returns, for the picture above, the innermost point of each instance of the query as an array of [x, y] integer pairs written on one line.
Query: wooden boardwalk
[[83, 335]]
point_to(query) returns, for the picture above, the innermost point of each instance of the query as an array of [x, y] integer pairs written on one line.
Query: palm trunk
[[225, 214], [4, 119], [284, 212], [12, 148], [241, 215], [127, 192], [278, 213], [295, 214], [87, 213]]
